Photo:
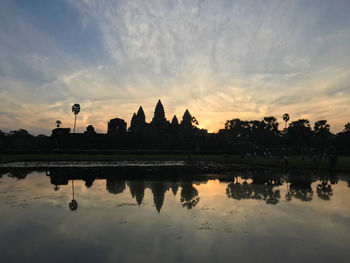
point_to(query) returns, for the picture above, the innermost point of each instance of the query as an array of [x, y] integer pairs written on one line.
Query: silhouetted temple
[[251, 138], [116, 126], [159, 133], [60, 131]]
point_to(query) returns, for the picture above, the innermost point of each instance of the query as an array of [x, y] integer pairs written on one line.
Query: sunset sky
[[220, 59]]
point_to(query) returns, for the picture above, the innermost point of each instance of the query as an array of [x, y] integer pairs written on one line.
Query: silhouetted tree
[[271, 124], [271, 132], [322, 134], [75, 110], [58, 123], [299, 132], [286, 119], [347, 127], [237, 127], [342, 139], [322, 127]]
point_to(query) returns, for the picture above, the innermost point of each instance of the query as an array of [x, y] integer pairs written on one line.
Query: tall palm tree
[[286, 118], [58, 123], [75, 110]]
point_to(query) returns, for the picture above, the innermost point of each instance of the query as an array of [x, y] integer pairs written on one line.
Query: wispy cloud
[[220, 59]]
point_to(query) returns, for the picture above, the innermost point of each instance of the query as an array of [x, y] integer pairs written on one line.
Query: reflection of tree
[[302, 193], [235, 191], [324, 190], [189, 195], [260, 189], [137, 189], [288, 194], [114, 185], [273, 196], [158, 190], [333, 178], [300, 187], [73, 205]]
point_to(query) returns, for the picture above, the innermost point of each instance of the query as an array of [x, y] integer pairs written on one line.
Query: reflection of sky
[[36, 222], [221, 59]]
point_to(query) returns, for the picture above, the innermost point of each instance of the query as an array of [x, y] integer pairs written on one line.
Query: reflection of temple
[[137, 190], [115, 186], [158, 189], [256, 184], [118, 178], [189, 194], [116, 126]]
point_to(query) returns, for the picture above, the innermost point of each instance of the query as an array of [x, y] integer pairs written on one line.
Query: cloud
[[219, 59]]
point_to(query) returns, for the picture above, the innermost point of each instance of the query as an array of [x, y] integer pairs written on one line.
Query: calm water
[[252, 216]]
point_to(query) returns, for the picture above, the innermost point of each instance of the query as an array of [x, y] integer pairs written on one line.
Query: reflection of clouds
[[101, 230]]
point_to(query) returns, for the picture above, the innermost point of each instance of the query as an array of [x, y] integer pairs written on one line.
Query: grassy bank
[[294, 161]]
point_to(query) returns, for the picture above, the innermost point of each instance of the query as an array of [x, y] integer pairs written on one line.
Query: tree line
[[236, 136]]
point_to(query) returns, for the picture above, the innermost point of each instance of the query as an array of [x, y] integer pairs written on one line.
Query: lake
[[120, 214]]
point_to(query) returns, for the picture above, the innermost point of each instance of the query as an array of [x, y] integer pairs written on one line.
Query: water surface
[[251, 216]]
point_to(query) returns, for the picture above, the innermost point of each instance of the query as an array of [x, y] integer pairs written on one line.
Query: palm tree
[[75, 110], [286, 118], [58, 123]]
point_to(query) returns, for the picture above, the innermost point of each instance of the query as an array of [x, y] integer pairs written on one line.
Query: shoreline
[[195, 161]]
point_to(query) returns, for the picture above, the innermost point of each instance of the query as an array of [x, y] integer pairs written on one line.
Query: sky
[[219, 59]]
